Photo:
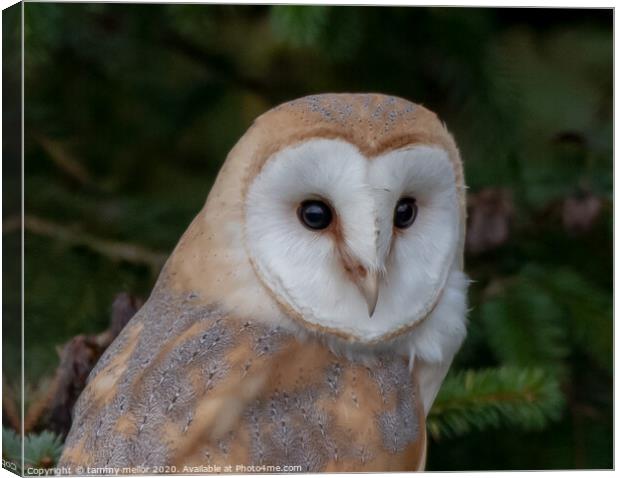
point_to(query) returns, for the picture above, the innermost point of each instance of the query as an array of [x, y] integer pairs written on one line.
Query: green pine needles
[[507, 396], [41, 450]]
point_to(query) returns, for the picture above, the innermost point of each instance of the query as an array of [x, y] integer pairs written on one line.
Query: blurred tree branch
[[65, 161], [114, 250], [77, 358], [10, 413]]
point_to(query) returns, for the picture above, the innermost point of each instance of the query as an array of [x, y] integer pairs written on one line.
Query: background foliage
[[131, 110]]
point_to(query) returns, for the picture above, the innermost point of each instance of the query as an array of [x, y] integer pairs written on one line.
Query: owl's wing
[[186, 385], [178, 370]]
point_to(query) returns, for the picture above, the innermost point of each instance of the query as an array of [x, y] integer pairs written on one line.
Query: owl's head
[[351, 211]]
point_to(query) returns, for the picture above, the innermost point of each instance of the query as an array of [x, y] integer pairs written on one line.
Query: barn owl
[[308, 315]]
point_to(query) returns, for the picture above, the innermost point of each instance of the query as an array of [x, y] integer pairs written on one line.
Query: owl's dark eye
[[314, 214], [405, 213]]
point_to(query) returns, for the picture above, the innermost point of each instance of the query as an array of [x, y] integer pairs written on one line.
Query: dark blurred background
[[131, 110]]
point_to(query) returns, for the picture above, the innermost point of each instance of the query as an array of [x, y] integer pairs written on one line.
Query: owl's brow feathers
[[375, 124]]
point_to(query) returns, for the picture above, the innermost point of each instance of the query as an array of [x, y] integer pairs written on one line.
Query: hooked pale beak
[[369, 287], [367, 281]]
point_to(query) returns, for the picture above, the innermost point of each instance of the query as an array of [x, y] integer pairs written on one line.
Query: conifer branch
[[526, 398]]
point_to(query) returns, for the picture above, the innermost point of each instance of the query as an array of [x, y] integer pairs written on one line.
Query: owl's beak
[[369, 287], [367, 281]]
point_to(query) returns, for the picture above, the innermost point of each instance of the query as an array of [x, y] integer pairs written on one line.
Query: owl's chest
[[338, 416], [209, 390], [319, 412]]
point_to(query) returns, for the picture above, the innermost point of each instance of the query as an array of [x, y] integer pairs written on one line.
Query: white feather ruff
[[302, 268]]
